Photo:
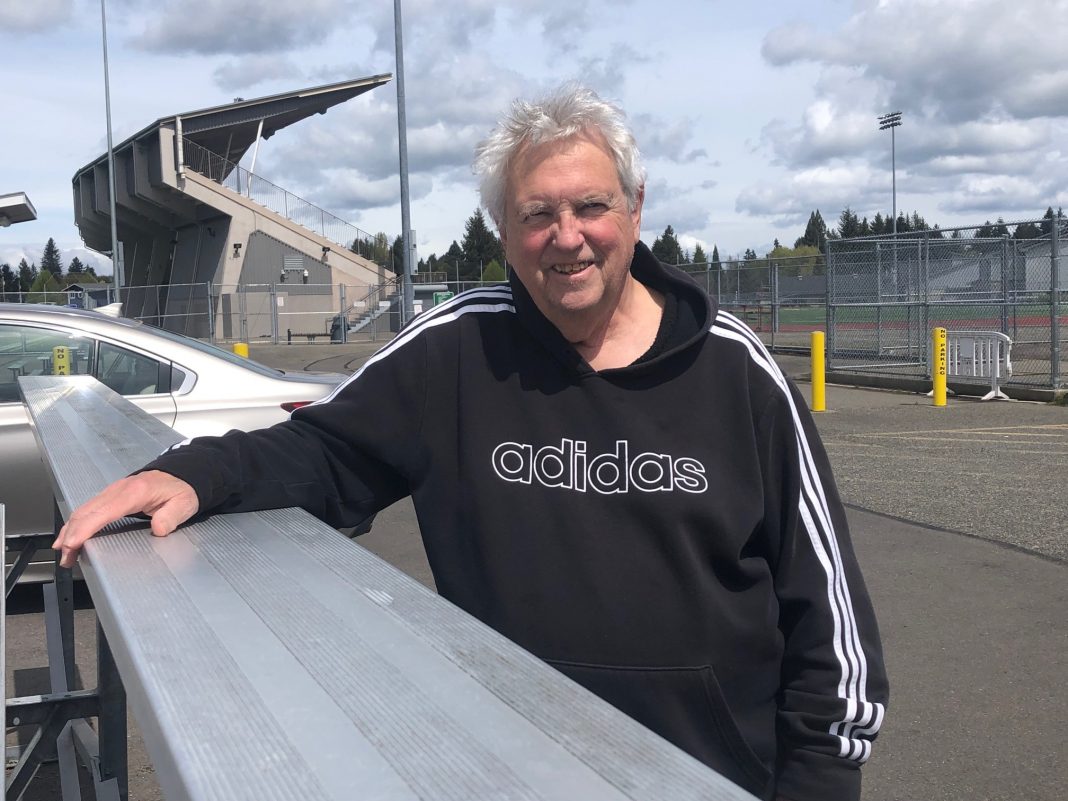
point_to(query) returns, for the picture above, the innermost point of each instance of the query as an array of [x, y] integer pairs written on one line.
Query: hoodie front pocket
[[684, 706]]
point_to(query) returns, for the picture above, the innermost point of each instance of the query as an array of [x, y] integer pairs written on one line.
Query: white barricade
[[979, 354]]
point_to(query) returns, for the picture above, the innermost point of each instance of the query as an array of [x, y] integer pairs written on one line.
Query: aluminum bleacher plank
[[266, 656]]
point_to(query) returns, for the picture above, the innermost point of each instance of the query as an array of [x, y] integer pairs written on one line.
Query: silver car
[[195, 387]]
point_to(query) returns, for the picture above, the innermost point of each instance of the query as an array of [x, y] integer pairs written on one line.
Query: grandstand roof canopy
[[230, 130], [16, 208]]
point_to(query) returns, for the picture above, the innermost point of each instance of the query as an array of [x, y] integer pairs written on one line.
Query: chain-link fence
[[886, 294], [877, 298], [783, 299]]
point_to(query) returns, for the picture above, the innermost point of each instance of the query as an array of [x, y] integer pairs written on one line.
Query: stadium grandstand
[[190, 219]]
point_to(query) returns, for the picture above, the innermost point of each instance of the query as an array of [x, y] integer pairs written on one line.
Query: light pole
[[116, 255], [402, 143], [891, 121]]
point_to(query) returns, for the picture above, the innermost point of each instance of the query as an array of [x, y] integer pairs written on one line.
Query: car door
[[28, 349]]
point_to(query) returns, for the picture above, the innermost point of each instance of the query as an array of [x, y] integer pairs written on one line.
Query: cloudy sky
[[749, 115]]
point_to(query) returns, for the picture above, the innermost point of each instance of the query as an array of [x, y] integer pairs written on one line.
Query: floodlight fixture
[[16, 208], [891, 120]]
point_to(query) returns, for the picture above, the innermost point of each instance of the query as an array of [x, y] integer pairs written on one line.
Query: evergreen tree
[[51, 259], [848, 224], [480, 245], [75, 267], [666, 247], [27, 275], [456, 266], [716, 263], [815, 232], [1047, 220], [699, 256], [9, 281], [396, 256], [1027, 230], [750, 255]]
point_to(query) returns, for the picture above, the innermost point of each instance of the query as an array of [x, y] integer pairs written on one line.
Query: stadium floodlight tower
[[891, 121]]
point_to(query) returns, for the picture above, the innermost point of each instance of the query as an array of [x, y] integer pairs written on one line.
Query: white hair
[[566, 112]]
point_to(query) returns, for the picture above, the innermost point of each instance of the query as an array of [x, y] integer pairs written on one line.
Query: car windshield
[[216, 351]]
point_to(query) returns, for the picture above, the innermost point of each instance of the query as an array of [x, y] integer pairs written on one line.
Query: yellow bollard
[[819, 383], [241, 349], [938, 371], [60, 360]]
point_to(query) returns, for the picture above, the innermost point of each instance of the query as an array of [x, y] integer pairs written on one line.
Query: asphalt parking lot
[[960, 519]]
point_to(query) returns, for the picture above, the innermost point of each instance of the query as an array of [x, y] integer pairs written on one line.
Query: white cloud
[[247, 71], [983, 87], [239, 26], [747, 120], [18, 16]]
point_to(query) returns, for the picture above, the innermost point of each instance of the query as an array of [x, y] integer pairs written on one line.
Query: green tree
[[480, 245], [666, 247], [815, 232], [396, 256], [43, 287], [699, 256], [9, 280], [75, 267], [380, 251], [27, 275], [800, 260], [1027, 230], [992, 231], [493, 273], [716, 263], [1047, 220], [848, 224], [51, 260], [456, 265]]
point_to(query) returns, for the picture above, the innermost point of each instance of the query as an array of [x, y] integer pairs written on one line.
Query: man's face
[[568, 231]]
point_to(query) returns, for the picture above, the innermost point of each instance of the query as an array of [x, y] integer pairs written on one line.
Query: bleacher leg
[[112, 721]]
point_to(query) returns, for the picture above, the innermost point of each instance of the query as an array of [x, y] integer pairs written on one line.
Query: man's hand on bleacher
[[169, 501]]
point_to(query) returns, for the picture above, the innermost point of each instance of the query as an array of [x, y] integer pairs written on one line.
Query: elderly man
[[606, 469]]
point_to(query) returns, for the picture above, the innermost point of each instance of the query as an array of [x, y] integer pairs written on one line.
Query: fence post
[[1054, 303], [210, 287], [272, 293], [828, 295], [242, 305], [343, 323], [879, 301], [1005, 242], [774, 303]]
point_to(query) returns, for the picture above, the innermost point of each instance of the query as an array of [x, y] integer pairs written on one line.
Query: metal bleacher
[[266, 656]]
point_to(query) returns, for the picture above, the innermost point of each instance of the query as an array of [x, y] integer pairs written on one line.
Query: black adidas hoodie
[[668, 534]]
